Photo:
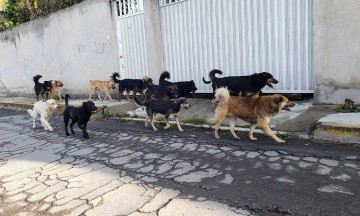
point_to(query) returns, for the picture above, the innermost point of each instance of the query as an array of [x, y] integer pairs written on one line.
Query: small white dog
[[45, 110]]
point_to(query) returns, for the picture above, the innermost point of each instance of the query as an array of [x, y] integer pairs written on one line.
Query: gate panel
[[131, 39], [239, 37]]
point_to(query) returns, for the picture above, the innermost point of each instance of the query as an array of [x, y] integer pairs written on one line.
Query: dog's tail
[[114, 76], [222, 95], [212, 76], [67, 100], [139, 102], [36, 78], [206, 82], [31, 113], [164, 75]]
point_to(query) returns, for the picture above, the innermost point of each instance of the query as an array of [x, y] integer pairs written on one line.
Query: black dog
[[244, 85], [81, 115], [42, 88], [158, 92], [165, 107], [134, 85], [185, 88]]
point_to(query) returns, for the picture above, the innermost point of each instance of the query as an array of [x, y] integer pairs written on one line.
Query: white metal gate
[[239, 37], [131, 38]]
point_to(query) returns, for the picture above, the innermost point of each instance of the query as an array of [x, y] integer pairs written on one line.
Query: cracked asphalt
[[127, 169]]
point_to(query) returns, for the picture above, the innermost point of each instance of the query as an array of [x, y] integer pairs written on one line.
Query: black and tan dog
[[159, 92], [55, 88], [80, 115], [257, 110], [164, 107], [185, 88], [42, 88], [134, 85], [243, 85]]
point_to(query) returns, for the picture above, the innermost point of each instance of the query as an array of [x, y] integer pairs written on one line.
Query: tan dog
[[55, 88], [256, 110], [101, 85]]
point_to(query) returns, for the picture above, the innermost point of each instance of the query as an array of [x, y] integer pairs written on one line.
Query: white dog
[[44, 109]]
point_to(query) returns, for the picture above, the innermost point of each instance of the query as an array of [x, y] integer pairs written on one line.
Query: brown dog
[[256, 110], [101, 85], [55, 88]]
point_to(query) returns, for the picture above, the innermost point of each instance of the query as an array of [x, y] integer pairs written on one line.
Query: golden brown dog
[[101, 85], [55, 88], [256, 110]]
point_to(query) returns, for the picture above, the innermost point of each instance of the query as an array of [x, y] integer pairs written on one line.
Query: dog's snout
[[274, 81]]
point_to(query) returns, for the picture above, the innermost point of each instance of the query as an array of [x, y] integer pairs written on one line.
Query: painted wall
[[336, 51], [74, 45]]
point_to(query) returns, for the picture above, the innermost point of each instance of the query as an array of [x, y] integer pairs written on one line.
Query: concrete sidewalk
[[305, 120]]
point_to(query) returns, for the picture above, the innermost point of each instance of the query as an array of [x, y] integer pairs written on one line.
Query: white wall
[[336, 51], [74, 45]]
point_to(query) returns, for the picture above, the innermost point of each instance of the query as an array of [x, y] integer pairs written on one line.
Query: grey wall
[[74, 45], [336, 51]]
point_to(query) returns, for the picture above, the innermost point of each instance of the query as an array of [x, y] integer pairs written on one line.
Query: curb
[[342, 135], [16, 105]]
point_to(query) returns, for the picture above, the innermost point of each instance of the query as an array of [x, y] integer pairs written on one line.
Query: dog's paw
[[280, 141], [253, 138], [166, 127], [155, 129], [181, 130]]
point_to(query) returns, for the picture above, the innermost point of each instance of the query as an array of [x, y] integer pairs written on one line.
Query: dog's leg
[[267, 130], [119, 95], [232, 126], [91, 92], [98, 92], [83, 128], [178, 123], [33, 114], [127, 94], [59, 96], [152, 121], [34, 118], [108, 94], [66, 121], [142, 94], [220, 117], [71, 126], [251, 132], [146, 120], [45, 123], [167, 122]]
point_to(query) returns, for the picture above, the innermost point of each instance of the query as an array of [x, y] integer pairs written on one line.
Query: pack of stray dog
[[236, 97]]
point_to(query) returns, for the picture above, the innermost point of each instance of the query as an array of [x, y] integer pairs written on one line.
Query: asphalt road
[[127, 169]]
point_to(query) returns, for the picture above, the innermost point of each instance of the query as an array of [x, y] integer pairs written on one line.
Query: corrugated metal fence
[[240, 37]]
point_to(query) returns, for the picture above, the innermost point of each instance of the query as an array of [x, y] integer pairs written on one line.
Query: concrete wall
[[336, 51], [74, 45]]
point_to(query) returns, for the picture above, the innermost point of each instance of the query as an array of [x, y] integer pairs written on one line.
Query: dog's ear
[[278, 100]]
